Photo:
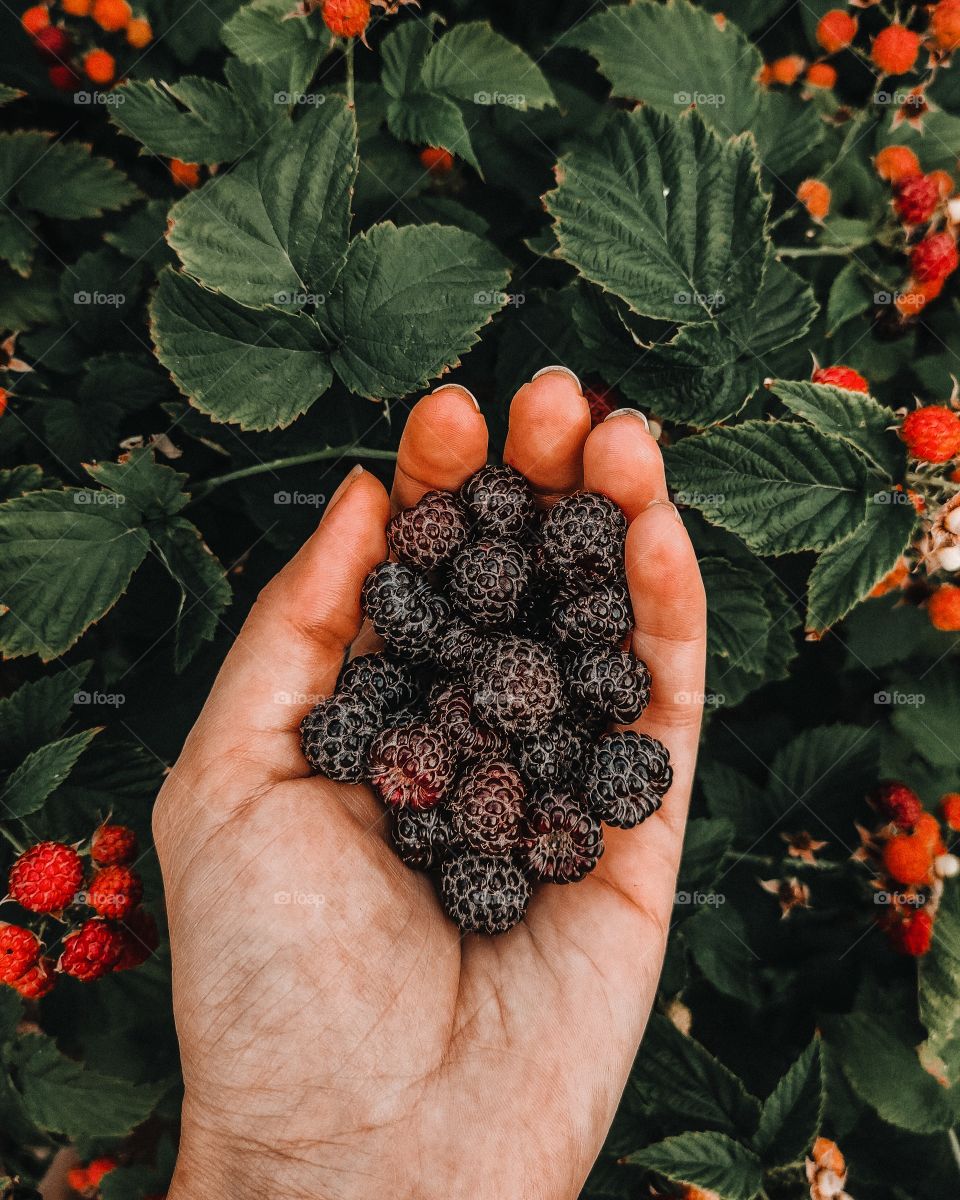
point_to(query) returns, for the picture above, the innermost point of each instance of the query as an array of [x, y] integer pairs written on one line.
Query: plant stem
[[14, 842], [814, 251], [954, 1146], [206, 486], [348, 59]]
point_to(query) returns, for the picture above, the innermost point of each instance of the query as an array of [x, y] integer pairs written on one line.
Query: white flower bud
[[953, 209], [952, 520], [947, 866], [948, 558]]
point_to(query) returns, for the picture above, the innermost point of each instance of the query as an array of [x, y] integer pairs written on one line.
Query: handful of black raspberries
[[483, 726]]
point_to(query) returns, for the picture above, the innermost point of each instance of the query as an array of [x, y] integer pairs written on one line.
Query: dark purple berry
[[583, 540], [452, 713], [551, 754], [611, 681], [378, 681], [561, 841], [423, 837], [627, 776], [336, 735], [603, 615], [500, 501], [487, 807], [430, 532], [459, 647], [484, 894], [488, 581], [517, 686], [411, 766], [403, 609]]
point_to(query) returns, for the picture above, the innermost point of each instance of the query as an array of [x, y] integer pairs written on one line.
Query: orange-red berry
[[836, 30], [916, 296], [821, 75], [895, 163], [46, 877], [90, 951], [113, 845], [912, 934], [908, 858], [893, 581], [36, 982], [19, 951], [841, 377], [100, 66], [932, 433], [436, 160], [945, 25], [815, 197], [950, 807], [185, 174], [784, 70], [115, 892], [895, 49], [111, 15], [346, 18], [943, 608], [139, 33], [77, 8], [36, 18]]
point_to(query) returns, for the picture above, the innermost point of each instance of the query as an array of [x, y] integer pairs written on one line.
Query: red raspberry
[[38, 981], [98, 1168], [63, 78], [139, 939], [19, 951], [346, 18], [950, 808], [934, 258], [898, 803], [943, 608], [945, 25], [895, 49], [436, 160], [52, 43], [45, 878], [115, 892], [91, 951], [836, 30], [932, 433], [915, 200], [113, 845], [913, 934], [841, 377]]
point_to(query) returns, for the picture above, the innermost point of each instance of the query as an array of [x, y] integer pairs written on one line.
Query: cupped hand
[[341, 1040]]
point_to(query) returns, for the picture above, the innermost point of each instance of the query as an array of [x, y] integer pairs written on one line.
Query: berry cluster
[[911, 861], [87, 1179], [49, 880], [483, 724], [69, 41]]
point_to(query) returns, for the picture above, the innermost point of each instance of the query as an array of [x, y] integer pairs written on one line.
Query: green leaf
[[472, 62], [59, 179], [706, 1160], [886, 1073], [41, 773], [672, 56], [156, 490], [857, 419], [678, 1080], [204, 590], [9, 94], [821, 769], [931, 726], [98, 294], [36, 712], [408, 303], [402, 53], [259, 369], [275, 229], [792, 1114], [430, 120], [665, 215], [705, 842], [17, 242], [65, 560], [288, 50], [28, 302], [940, 986], [716, 938], [847, 572], [850, 296], [140, 236], [194, 119], [63, 1096], [779, 486], [734, 797], [14, 481], [738, 620]]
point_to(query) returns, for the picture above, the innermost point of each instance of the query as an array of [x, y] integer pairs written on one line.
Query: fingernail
[[345, 484], [562, 371], [460, 388], [665, 504], [628, 412]]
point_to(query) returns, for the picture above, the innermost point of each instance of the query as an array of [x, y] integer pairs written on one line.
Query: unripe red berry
[[898, 803], [943, 608], [52, 43], [895, 49], [934, 258], [915, 200], [841, 377], [63, 78]]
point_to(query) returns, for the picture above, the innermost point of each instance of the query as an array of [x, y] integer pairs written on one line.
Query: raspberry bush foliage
[[239, 239]]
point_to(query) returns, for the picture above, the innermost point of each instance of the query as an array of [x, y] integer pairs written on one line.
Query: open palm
[[340, 1038]]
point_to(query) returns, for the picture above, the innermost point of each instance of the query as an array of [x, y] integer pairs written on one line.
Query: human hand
[[352, 1043]]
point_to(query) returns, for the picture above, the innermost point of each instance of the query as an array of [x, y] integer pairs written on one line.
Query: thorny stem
[[206, 486]]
